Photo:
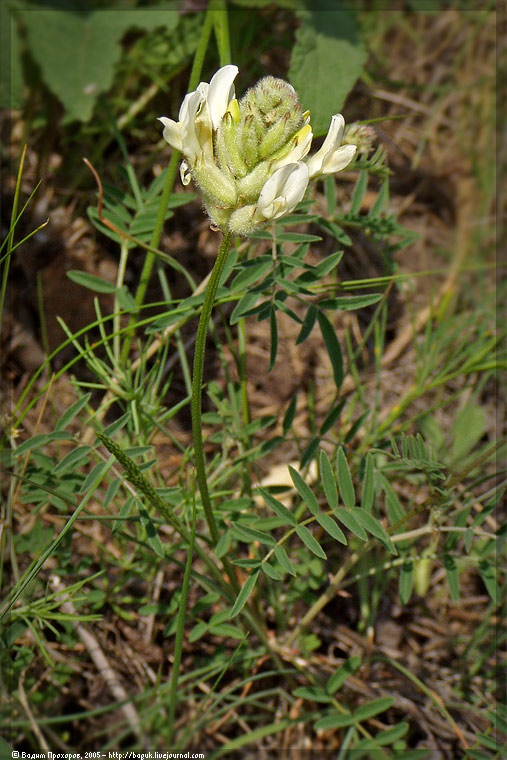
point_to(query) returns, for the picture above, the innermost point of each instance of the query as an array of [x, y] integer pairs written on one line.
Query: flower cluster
[[249, 156]]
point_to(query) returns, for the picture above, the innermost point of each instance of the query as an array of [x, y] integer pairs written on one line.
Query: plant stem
[[196, 405]]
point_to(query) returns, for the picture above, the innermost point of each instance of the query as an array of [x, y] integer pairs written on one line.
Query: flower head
[[249, 157]]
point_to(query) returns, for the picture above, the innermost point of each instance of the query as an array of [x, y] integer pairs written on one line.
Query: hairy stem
[[196, 406]]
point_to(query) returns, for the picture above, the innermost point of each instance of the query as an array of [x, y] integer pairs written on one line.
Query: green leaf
[[332, 417], [488, 575], [277, 507], [310, 542], [72, 459], [247, 534], [284, 560], [42, 439], [250, 274], [273, 347], [223, 544], [468, 429], [310, 451], [313, 694], [78, 51], [325, 35], [333, 348], [350, 303], [345, 480], [297, 237], [91, 281], [359, 191], [289, 415], [332, 528], [152, 537], [271, 572], [346, 517], [245, 592], [304, 491], [99, 470], [328, 481], [406, 581], [374, 527], [340, 675], [377, 706], [308, 323], [452, 573]]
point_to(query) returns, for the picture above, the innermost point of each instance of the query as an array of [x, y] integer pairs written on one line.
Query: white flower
[[201, 113], [331, 157], [283, 191], [249, 157]]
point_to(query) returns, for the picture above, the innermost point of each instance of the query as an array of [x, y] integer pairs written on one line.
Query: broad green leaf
[[91, 281], [247, 534], [328, 481], [368, 485], [245, 592], [78, 51], [340, 675], [406, 580], [284, 560], [333, 348], [346, 517], [277, 507], [310, 542], [304, 491], [332, 528], [326, 35], [345, 480], [452, 573]]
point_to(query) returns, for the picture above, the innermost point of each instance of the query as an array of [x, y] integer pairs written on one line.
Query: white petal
[[185, 173], [333, 139], [189, 134], [172, 132], [340, 159], [221, 92], [297, 153], [283, 190]]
